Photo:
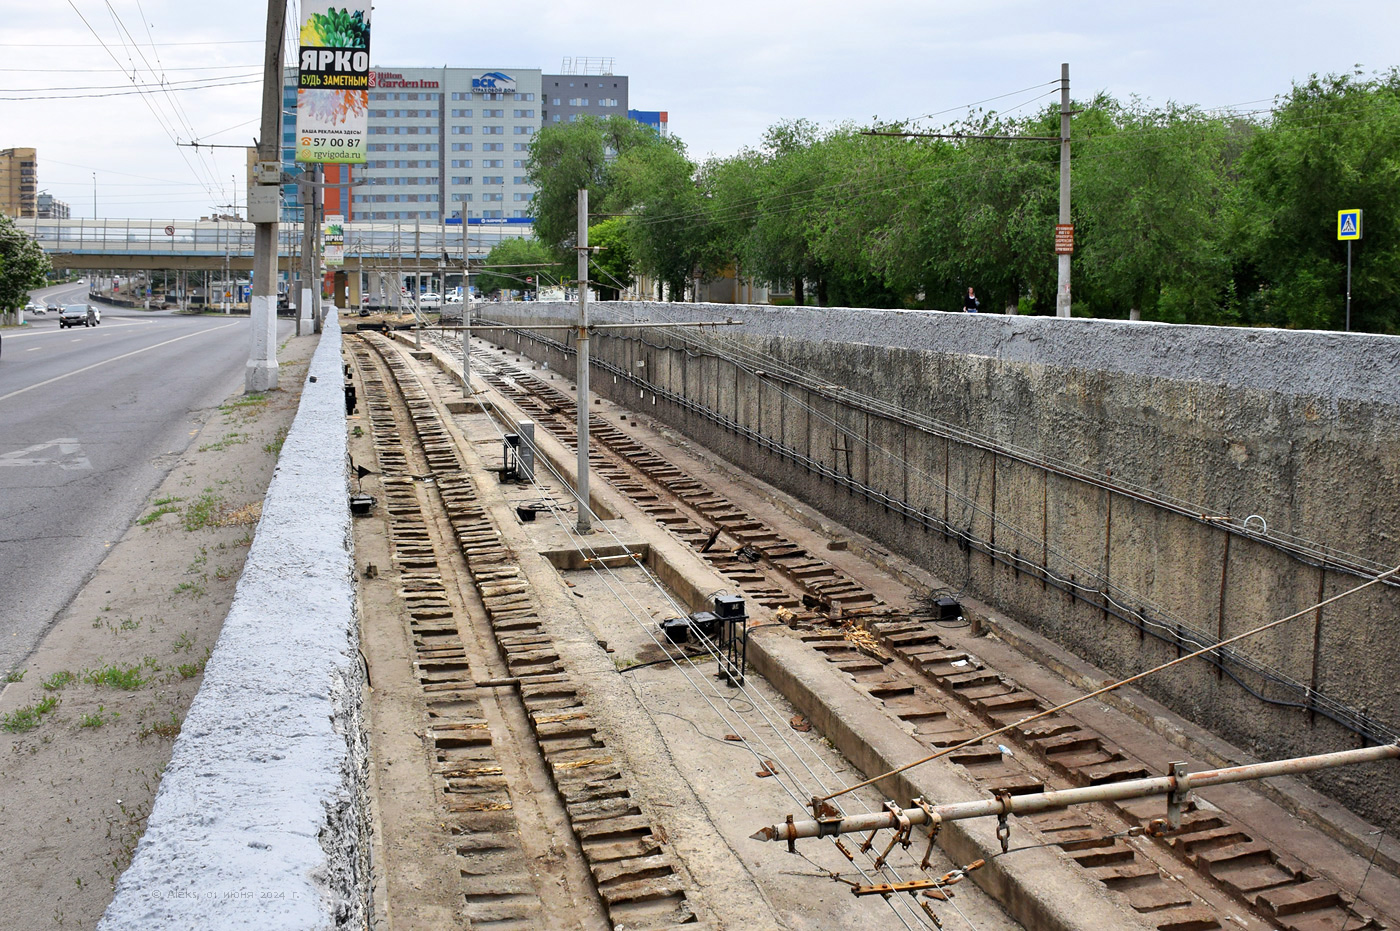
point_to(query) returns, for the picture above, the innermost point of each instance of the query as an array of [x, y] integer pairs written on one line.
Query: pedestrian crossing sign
[[1348, 224]]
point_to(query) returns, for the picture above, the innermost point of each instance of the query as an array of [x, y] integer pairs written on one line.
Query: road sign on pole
[[1348, 224], [1349, 230]]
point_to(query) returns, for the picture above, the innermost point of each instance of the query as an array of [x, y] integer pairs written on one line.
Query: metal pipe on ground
[[1064, 798]]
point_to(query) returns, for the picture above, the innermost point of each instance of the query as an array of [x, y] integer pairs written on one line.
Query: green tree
[[667, 230], [23, 265], [569, 156], [1148, 188], [613, 268], [1333, 143], [511, 261]]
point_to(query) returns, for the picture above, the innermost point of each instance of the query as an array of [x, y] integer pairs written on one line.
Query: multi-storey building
[[570, 96], [18, 182], [443, 143], [49, 207]]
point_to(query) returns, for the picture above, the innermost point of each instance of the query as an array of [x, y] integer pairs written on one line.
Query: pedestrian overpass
[[406, 248]]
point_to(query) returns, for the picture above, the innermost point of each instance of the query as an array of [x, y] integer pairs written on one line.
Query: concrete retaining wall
[[1089, 478], [261, 820]]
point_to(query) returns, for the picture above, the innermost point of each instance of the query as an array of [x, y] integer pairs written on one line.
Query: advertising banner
[[333, 81], [334, 240]]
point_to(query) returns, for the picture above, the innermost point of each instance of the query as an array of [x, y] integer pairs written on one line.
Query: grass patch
[[183, 643], [58, 680], [27, 718], [274, 446], [202, 511], [229, 439], [193, 589], [127, 678], [257, 399], [15, 675], [168, 729], [96, 719]]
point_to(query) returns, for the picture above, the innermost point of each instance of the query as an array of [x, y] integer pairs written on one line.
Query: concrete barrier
[[1129, 491], [261, 819]]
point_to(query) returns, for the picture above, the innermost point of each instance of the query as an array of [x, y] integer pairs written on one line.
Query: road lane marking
[[126, 355], [115, 323], [69, 455]]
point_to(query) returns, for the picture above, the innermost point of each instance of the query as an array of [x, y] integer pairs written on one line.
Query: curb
[[261, 819]]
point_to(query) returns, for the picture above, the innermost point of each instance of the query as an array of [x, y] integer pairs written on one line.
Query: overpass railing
[[419, 243]]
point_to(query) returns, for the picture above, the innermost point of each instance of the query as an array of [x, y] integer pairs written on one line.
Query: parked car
[[76, 315], [430, 301]]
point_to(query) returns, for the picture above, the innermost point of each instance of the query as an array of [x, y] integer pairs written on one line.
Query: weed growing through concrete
[[274, 446], [15, 675], [168, 729], [58, 680], [127, 678], [27, 718], [229, 439], [202, 511], [163, 506]]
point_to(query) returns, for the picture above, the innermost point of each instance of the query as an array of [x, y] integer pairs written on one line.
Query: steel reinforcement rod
[[1175, 785]]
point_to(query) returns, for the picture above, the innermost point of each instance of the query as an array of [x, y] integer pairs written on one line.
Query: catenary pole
[[584, 521], [1062, 290], [466, 312], [261, 371], [305, 324]]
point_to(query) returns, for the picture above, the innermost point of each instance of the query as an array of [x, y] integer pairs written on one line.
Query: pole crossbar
[[1176, 785]]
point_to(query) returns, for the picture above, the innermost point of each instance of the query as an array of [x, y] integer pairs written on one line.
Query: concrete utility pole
[[261, 371], [466, 312], [585, 524], [1062, 292], [305, 323]]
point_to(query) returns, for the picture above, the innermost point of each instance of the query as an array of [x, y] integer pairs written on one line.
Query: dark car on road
[[77, 314]]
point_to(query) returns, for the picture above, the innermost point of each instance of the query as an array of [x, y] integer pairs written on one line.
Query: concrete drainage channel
[[635, 878], [948, 696]]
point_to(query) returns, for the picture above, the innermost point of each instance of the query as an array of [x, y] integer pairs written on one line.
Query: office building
[[49, 207], [586, 87], [18, 182], [657, 119], [442, 143]]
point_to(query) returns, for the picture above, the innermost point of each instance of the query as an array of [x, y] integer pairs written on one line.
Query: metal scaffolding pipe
[[1064, 798]]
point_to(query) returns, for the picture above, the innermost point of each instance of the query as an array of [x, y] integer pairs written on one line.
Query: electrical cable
[[600, 568], [1174, 634]]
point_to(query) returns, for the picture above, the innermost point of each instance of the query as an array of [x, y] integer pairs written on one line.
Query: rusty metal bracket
[[901, 834], [934, 822], [792, 841], [1003, 828], [1177, 797]]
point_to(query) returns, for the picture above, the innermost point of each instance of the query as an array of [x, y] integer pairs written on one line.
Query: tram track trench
[[1285, 892], [698, 796]]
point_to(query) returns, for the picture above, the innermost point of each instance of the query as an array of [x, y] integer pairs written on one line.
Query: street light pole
[[261, 371]]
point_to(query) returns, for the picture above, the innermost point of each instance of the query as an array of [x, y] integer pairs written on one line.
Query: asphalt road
[[91, 420]]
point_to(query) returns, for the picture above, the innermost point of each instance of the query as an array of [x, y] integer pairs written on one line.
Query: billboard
[[333, 81], [334, 241]]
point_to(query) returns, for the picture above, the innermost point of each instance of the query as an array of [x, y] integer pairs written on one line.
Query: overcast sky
[[724, 69]]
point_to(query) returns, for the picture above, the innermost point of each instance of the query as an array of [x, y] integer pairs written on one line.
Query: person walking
[[970, 303]]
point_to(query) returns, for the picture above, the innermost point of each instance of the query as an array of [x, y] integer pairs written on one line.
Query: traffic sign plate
[[1349, 224]]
